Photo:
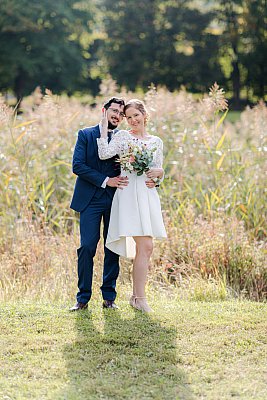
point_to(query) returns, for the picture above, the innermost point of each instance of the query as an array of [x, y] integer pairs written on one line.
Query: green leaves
[[70, 46], [40, 45], [138, 159]]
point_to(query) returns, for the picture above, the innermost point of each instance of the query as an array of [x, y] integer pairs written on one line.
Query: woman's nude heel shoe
[[141, 307]]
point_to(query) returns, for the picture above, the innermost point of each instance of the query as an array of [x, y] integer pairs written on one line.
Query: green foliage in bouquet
[[138, 159]]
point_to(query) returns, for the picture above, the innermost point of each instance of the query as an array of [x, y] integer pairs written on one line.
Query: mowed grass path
[[185, 350]]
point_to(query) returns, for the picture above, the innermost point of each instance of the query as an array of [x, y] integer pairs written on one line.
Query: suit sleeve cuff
[[104, 184]]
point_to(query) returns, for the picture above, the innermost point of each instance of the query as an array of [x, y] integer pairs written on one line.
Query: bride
[[136, 216]]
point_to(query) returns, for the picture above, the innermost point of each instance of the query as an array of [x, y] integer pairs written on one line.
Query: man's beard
[[111, 126]]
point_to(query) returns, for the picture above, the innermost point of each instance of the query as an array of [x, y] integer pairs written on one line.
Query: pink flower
[[131, 159]]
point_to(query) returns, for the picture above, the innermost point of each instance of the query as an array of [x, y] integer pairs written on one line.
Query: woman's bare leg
[[144, 248]]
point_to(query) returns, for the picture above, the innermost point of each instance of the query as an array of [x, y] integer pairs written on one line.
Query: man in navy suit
[[95, 186]]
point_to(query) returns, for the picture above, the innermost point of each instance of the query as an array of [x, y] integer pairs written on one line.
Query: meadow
[[207, 282], [213, 196]]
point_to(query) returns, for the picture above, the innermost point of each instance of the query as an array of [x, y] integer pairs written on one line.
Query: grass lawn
[[185, 350]]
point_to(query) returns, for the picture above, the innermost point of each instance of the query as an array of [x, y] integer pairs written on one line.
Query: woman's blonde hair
[[139, 105]]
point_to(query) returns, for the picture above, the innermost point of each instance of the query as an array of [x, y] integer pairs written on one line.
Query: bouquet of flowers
[[138, 159]]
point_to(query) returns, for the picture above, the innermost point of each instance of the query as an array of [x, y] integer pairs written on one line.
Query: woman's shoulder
[[121, 132], [156, 139]]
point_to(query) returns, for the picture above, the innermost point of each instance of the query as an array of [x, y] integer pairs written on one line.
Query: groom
[[95, 186]]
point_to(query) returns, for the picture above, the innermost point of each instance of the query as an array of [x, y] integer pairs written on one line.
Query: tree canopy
[[41, 44], [70, 45]]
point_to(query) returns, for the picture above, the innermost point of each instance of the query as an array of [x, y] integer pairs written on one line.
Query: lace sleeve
[[159, 154], [158, 159], [108, 150]]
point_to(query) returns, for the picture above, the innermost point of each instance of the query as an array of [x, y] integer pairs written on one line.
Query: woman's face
[[135, 118]]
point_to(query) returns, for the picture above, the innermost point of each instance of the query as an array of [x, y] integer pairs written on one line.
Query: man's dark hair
[[114, 100]]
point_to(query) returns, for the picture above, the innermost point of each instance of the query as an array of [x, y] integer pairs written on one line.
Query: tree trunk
[[262, 81], [236, 79], [18, 87]]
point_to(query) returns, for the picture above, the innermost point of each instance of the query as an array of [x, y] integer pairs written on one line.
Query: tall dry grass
[[213, 196]]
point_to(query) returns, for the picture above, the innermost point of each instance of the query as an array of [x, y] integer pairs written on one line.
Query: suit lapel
[[96, 134]]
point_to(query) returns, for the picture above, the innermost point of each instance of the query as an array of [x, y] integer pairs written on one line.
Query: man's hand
[[118, 182], [150, 184]]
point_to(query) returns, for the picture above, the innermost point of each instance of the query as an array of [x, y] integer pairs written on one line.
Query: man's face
[[115, 115]]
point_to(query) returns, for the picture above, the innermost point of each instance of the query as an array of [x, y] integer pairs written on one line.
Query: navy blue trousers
[[90, 222]]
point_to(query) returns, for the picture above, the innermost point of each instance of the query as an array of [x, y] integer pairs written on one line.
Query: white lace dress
[[136, 209]]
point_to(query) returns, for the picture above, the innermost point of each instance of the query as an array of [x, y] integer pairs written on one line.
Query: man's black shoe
[[79, 306], [109, 304]]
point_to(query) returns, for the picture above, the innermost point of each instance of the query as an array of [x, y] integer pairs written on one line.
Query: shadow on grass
[[116, 358]]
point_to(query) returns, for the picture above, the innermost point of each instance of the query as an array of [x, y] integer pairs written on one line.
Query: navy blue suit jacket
[[90, 170]]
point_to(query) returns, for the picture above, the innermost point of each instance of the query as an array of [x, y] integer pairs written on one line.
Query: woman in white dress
[[136, 216]]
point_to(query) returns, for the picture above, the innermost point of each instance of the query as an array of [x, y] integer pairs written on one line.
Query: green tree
[[255, 46], [43, 43], [230, 17], [243, 44], [130, 41], [187, 53], [162, 42]]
